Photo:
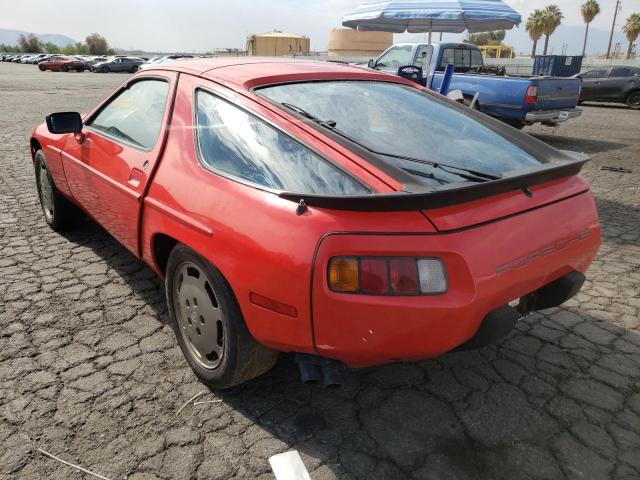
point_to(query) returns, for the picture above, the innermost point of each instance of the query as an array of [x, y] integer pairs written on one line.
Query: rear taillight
[[387, 275], [531, 96]]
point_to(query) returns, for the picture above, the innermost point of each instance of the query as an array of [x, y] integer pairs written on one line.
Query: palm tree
[[535, 26], [589, 10], [552, 18], [632, 30]]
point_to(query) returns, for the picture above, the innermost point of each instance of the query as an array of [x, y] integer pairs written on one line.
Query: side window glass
[[135, 115], [595, 74], [448, 56], [423, 56], [232, 141], [622, 72]]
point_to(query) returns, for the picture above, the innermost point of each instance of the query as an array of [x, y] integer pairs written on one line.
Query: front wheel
[[64, 68], [633, 100], [134, 69], [41, 67], [59, 213], [105, 70], [208, 323]]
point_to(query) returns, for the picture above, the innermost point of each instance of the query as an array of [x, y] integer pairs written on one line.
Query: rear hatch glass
[[407, 129]]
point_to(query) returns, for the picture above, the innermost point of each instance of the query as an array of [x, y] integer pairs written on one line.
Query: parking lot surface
[[90, 372]]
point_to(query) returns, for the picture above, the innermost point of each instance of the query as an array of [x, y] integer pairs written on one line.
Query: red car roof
[[250, 72]]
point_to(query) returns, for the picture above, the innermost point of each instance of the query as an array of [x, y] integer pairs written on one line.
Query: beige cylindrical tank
[[277, 43], [348, 42]]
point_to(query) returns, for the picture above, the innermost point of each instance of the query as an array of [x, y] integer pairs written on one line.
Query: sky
[[204, 25]]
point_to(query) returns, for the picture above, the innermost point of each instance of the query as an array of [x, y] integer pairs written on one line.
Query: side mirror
[[372, 63], [64, 122]]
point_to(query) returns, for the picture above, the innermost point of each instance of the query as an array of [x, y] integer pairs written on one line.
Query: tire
[[134, 69], [64, 68], [633, 100], [80, 69], [223, 354], [41, 67], [105, 69], [59, 213]]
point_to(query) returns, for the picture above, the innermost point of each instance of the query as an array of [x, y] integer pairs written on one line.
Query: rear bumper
[[488, 267], [553, 116], [498, 323]]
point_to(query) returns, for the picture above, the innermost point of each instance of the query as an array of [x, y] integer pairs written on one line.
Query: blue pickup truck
[[517, 100]]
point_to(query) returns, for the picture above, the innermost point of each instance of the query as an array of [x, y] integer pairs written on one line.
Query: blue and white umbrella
[[451, 16]]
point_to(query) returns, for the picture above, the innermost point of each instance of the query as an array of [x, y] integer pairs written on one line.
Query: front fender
[[52, 146]]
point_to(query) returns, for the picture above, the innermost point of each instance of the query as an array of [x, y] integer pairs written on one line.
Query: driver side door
[[109, 166]]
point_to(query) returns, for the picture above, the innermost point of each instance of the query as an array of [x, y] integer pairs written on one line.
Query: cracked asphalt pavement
[[90, 372]]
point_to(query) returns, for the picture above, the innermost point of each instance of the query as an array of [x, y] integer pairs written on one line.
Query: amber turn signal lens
[[343, 274]]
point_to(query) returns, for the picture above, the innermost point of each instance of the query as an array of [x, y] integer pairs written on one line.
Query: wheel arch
[[161, 247], [626, 98], [34, 146]]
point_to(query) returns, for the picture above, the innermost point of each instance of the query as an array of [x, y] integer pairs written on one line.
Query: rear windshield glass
[[394, 120]]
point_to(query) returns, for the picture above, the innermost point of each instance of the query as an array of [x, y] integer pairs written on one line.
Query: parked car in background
[[17, 58], [62, 63], [341, 213], [517, 101], [617, 84], [39, 58], [91, 61], [118, 64], [166, 58]]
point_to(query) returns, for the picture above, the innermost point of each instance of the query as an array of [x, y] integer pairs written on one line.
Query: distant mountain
[[10, 37]]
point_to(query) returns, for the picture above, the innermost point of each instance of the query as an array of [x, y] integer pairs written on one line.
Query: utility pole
[[613, 27]]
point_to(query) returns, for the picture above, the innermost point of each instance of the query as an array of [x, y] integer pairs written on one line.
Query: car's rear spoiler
[[448, 195]]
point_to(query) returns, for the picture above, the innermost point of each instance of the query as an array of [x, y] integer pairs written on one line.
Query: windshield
[[394, 121]]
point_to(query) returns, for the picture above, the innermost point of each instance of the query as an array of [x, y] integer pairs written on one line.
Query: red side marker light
[[273, 305]]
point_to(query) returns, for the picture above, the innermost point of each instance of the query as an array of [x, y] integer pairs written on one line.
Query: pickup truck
[[516, 100]]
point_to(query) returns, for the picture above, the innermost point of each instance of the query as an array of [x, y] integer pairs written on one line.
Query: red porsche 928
[[343, 214]]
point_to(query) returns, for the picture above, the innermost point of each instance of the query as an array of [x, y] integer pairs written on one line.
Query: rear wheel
[[633, 100], [105, 69], [59, 213], [208, 323], [79, 69], [134, 69], [64, 68]]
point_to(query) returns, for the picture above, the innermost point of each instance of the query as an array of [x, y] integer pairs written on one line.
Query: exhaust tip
[[332, 378], [314, 369], [310, 374]]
